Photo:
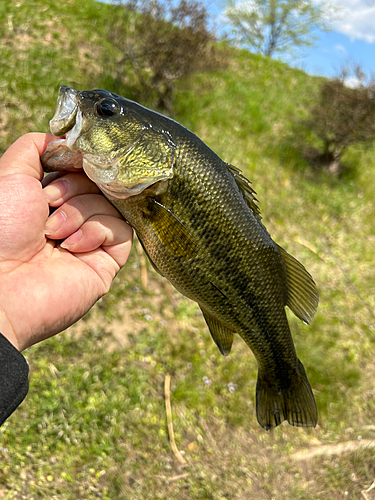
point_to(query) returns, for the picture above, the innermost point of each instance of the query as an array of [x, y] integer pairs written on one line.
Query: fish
[[198, 220]]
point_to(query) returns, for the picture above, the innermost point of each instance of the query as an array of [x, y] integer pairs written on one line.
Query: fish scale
[[197, 219]]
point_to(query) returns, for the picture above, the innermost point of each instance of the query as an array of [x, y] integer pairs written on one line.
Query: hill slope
[[94, 422]]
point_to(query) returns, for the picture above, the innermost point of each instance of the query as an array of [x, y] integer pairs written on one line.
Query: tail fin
[[295, 403]]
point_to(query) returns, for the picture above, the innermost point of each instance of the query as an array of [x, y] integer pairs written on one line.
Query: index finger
[[23, 156]]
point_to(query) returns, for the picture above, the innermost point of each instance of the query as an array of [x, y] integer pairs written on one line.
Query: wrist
[[7, 330]]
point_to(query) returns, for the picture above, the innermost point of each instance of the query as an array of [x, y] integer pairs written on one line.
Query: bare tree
[[162, 41], [271, 26]]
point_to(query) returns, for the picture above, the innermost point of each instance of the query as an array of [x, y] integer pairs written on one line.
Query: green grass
[[94, 422]]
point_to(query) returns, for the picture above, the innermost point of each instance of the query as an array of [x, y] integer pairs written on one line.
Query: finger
[[107, 259], [47, 179], [23, 156], [72, 214], [113, 235], [102, 264], [62, 189]]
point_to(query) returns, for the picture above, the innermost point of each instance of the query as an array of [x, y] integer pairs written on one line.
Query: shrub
[[343, 116], [162, 41]]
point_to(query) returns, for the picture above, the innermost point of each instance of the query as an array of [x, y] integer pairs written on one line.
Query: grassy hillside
[[94, 423]]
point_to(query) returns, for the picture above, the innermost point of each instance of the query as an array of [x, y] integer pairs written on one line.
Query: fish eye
[[106, 107]]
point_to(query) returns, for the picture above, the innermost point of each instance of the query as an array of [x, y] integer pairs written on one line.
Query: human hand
[[44, 286]]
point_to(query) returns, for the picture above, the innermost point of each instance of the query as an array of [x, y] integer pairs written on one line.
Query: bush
[[343, 116], [162, 41]]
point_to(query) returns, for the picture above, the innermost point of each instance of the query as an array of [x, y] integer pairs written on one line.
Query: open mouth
[[67, 123], [64, 118], [58, 157]]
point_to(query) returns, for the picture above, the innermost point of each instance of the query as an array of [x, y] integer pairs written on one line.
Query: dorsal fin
[[302, 295], [244, 186], [222, 337]]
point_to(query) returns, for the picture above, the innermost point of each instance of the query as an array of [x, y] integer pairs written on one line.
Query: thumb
[[23, 156]]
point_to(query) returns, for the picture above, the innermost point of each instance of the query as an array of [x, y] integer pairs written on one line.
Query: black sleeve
[[14, 382]]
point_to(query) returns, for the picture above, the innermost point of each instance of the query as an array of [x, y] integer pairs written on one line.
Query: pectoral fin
[[222, 337], [302, 295], [171, 232]]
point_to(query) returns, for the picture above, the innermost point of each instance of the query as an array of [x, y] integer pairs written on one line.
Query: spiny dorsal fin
[[303, 295], [244, 186], [222, 337], [171, 232]]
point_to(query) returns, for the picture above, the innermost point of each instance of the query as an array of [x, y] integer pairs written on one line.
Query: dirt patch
[[334, 449]]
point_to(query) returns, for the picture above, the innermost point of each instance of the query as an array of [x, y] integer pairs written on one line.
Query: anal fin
[[222, 336]]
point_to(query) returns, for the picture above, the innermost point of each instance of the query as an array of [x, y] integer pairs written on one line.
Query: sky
[[352, 39]]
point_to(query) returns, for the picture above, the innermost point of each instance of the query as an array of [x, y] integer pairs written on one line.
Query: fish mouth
[[65, 115], [67, 123]]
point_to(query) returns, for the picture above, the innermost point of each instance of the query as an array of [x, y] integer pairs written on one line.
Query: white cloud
[[340, 48], [353, 82], [356, 19]]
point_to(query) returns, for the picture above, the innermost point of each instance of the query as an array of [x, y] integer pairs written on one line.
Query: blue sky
[[334, 49], [352, 38]]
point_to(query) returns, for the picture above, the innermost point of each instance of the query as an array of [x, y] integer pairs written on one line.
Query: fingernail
[[72, 240], [56, 190], [54, 222]]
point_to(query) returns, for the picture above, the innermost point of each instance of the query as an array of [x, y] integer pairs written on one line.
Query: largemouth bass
[[198, 221]]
